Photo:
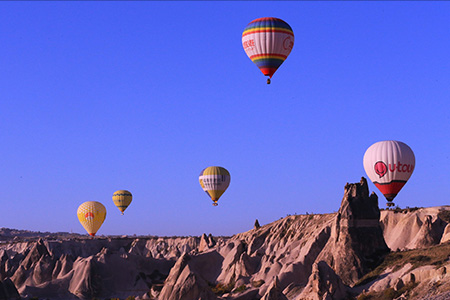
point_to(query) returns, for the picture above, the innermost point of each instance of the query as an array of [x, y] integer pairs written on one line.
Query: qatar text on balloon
[[249, 44], [213, 179], [214, 184]]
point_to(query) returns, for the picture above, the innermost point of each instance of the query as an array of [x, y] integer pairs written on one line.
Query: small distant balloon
[[268, 42], [214, 181], [122, 198], [91, 215], [389, 164]]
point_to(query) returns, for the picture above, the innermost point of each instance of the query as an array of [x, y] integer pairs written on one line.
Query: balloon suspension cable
[[268, 80]]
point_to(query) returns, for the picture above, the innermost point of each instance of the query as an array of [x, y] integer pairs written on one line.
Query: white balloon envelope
[[389, 164]]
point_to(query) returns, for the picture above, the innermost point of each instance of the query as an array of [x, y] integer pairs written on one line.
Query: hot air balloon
[[91, 215], [268, 42], [214, 181], [122, 198], [389, 164]]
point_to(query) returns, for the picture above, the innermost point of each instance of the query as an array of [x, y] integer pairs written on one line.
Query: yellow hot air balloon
[[214, 181], [91, 215], [122, 198]]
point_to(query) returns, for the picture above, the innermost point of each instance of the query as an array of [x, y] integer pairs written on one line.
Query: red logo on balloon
[[380, 168], [89, 216], [287, 43]]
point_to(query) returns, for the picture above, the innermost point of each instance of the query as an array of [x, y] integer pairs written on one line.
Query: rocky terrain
[[8, 234], [359, 252]]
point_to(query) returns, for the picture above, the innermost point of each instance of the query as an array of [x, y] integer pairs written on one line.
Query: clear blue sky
[[101, 96]]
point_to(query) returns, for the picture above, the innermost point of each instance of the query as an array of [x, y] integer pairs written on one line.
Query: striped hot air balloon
[[389, 164], [91, 215], [268, 42], [214, 181], [122, 198]]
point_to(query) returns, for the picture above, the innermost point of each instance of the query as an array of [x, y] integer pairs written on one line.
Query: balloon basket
[[215, 204], [268, 80]]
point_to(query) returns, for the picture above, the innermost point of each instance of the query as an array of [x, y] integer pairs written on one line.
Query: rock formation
[[430, 232], [324, 284], [446, 235], [256, 225], [315, 256], [206, 242], [274, 292], [8, 290], [87, 268], [357, 244], [413, 228], [183, 283]]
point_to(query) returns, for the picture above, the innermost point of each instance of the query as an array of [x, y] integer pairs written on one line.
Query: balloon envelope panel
[[91, 215], [389, 164], [268, 42]]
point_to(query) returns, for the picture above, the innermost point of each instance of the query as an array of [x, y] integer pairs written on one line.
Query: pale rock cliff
[[274, 292], [312, 250], [316, 256], [185, 283], [413, 228], [87, 268], [324, 284], [446, 234]]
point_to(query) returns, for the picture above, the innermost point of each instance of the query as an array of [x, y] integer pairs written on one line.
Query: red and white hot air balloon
[[268, 42], [389, 164]]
